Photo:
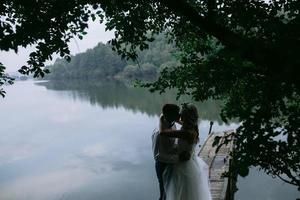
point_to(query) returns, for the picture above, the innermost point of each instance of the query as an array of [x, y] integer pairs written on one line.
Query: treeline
[[102, 62]]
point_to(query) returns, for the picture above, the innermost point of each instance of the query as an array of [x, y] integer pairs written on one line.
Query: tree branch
[[223, 34], [287, 181], [253, 50], [212, 8]]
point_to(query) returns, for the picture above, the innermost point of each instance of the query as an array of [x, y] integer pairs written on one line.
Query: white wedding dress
[[187, 180]]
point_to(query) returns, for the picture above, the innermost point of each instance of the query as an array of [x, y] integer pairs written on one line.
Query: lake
[[91, 140]]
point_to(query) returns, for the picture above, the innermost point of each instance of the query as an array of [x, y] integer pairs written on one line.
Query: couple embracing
[[182, 175]]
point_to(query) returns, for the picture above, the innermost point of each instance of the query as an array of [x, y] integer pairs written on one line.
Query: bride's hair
[[189, 116]]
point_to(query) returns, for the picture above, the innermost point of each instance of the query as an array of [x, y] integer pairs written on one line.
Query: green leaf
[[216, 141], [244, 171]]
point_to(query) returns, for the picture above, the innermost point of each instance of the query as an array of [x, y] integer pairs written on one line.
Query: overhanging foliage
[[243, 52]]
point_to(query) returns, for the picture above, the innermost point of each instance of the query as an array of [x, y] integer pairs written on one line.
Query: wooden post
[[211, 124]]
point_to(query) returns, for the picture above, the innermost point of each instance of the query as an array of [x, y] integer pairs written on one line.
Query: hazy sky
[[96, 34]]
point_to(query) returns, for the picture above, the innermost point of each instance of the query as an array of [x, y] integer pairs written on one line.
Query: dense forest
[[102, 62]]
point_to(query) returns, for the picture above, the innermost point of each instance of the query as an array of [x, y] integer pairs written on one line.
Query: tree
[[243, 52], [102, 62], [99, 62], [4, 79]]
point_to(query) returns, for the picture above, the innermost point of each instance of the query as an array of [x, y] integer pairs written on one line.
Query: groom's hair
[[171, 111]]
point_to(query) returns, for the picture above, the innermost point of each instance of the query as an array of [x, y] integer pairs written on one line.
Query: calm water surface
[[86, 141]]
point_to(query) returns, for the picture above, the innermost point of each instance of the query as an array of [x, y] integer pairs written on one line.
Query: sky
[[96, 33]]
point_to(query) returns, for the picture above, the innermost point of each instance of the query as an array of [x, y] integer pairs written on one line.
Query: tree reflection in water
[[111, 93]]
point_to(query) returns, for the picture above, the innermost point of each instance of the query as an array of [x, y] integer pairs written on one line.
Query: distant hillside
[[102, 62]]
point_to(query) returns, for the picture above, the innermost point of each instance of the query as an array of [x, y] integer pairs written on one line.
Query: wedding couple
[[181, 174]]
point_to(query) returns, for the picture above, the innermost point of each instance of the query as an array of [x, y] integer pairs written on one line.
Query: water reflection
[[91, 141], [80, 140], [93, 153], [113, 94], [260, 186]]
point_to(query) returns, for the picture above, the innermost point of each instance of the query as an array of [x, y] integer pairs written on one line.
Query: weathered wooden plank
[[218, 164]]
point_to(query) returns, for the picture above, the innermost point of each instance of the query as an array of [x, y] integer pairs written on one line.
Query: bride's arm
[[182, 134]]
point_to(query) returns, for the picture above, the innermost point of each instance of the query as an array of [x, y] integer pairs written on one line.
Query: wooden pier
[[221, 187]]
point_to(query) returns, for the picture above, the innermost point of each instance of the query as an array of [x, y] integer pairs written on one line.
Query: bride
[[187, 180]]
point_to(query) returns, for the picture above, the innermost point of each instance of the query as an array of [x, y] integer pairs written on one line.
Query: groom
[[164, 148]]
